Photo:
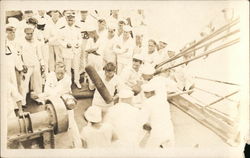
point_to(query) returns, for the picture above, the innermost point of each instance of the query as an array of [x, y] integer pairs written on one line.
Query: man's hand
[[69, 45], [25, 69], [117, 46]]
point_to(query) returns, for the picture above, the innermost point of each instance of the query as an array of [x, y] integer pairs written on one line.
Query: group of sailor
[[44, 47]]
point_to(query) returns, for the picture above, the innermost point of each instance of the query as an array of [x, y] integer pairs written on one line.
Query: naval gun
[[38, 130]]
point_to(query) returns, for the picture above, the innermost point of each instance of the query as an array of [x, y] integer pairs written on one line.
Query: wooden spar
[[202, 78], [222, 29], [207, 44], [222, 98], [180, 93], [222, 126], [217, 95], [201, 55]]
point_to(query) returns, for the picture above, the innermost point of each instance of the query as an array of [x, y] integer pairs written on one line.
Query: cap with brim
[[127, 28], [13, 22], [138, 56], [163, 40], [10, 28], [148, 69], [28, 26], [93, 114], [148, 87], [125, 93]]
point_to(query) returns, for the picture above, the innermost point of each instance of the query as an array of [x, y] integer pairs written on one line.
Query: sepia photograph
[[124, 78]]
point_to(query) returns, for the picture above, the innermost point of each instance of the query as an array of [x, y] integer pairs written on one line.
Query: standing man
[[110, 80], [152, 55], [32, 58], [159, 120], [70, 41], [124, 49], [126, 120], [15, 64], [52, 35], [109, 54]]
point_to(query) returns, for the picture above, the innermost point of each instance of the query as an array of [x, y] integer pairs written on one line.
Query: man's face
[[11, 35], [162, 45], [109, 74], [55, 15], [151, 46], [29, 34], [147, 77], [70, 20], [126, 35], [111, 32], [138, 39], [136, 64], [60, 73], [102, 25], [28, 15], [84, 15], [115, 13], [41, 12], [148, 94], [120, 25]]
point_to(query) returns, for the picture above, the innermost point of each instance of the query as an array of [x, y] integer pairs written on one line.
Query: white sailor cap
[[162, 39], [93, 114], [125, 93], [148, 69], [112, 26], [41, 21], [127, 28], [29, 26], [148, 87], [138, 56], [13, 22]]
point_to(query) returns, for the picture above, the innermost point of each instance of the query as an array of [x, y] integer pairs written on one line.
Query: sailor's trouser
[[33, 75], [55, 55], [45, 54], [74, 131], [75, 64]]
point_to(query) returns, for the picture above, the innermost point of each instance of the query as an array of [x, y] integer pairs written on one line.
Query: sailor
[[14, 100], [121, 24], [162, 84], [159, 119], [130, 77], [41, 37], [113, 18], [125, 119], [111, 81], [152, 55], [33, 59], [162, 52], [95, 56], [70, 40], [52, 37], [58, 84], [183, 75], [97, 134], [109, 54], [124, 49], [15, 65], [140, 45]]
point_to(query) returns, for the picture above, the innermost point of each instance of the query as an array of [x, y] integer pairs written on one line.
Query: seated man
[[58, 84]]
